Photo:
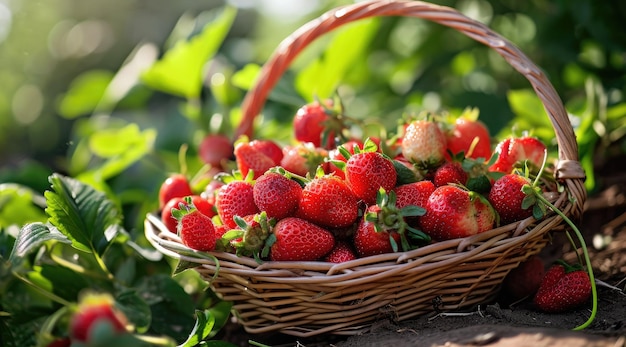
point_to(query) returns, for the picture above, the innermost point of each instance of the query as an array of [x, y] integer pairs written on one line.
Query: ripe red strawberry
[[512, 151], [166, 214], [453, 212], [563, 288], [335, 155], [303, 159], [328, 201], [175, 186], [370, 241], [277, 195], [508, 199], [235, 198], [471, 137], [94, 309], [424, 144], [215, 149], [300, 240], [269, 148], [415, 194], [310, 123], [248, 158], [450, 172], [524, 280], [196, 230], [367, 171], [342, 252], [203, 205]]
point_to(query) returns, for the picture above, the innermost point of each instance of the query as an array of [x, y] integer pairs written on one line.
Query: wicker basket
[[310, 298]]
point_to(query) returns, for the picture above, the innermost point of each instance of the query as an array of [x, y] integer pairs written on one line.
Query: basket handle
[[568, 168]]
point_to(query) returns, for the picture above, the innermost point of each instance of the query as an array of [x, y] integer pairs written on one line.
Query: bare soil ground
[[501, 324]]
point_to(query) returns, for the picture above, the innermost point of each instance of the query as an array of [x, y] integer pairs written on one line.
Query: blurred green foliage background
[[72, 99]]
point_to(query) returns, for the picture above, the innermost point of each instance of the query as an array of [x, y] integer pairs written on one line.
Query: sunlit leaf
[[81, 213], [17, 206], [322, 76], [204, 325], [85, 93], [245, 77], [179, 71], [31, 237]]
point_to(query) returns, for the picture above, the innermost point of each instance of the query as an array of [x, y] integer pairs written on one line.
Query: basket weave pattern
[[311, 298]]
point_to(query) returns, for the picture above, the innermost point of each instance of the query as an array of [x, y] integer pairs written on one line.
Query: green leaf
[[17, 205], [121, 147], [82, 214], [201, 330], [61, 281], [179, 71], [31, 237], [530, 114], [135, 308], [322, 76], [245, 77], [85, 93]]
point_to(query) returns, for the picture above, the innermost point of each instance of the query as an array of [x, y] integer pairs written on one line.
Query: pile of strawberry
[[334, 197]]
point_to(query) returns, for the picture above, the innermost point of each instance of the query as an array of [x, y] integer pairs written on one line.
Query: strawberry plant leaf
[[82, 214], [201, 330], [31, 237], [179, 72], [412, 211], [135, 308]]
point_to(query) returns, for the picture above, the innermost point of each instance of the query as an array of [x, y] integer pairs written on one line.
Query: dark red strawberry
[[453, 212], [342, 252], [508, 199], [563, 288], [370, 241], [415, 194], [329, 202], [94, 309], [277, 195], [166, 214], [424, 144], [450, 172], [215, 149], [250, 159], [300, 240], [367, 171], [524, 280], [469, 136], [196, 230], [175, 186], [269, 148], [235, 198]]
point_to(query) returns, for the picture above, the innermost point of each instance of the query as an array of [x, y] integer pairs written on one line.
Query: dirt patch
[[501, 323]]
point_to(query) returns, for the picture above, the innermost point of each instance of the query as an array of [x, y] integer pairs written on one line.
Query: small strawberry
[[450, 172], [342, 252], [563, 288], [250, 159], [277, 195], [335, 155], [453, 212], [203, 205], [215, 149], [299, 240], [424, 144], [235, 198], [509, 200], [310, 122], [328, 201], [170, 222], [175, 186], [367, 171], [269, 148], [469, 136], [512, 151], [94, 309], [368, 241], [303, 159], [413, 194], [523, 281], [196, 230]]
